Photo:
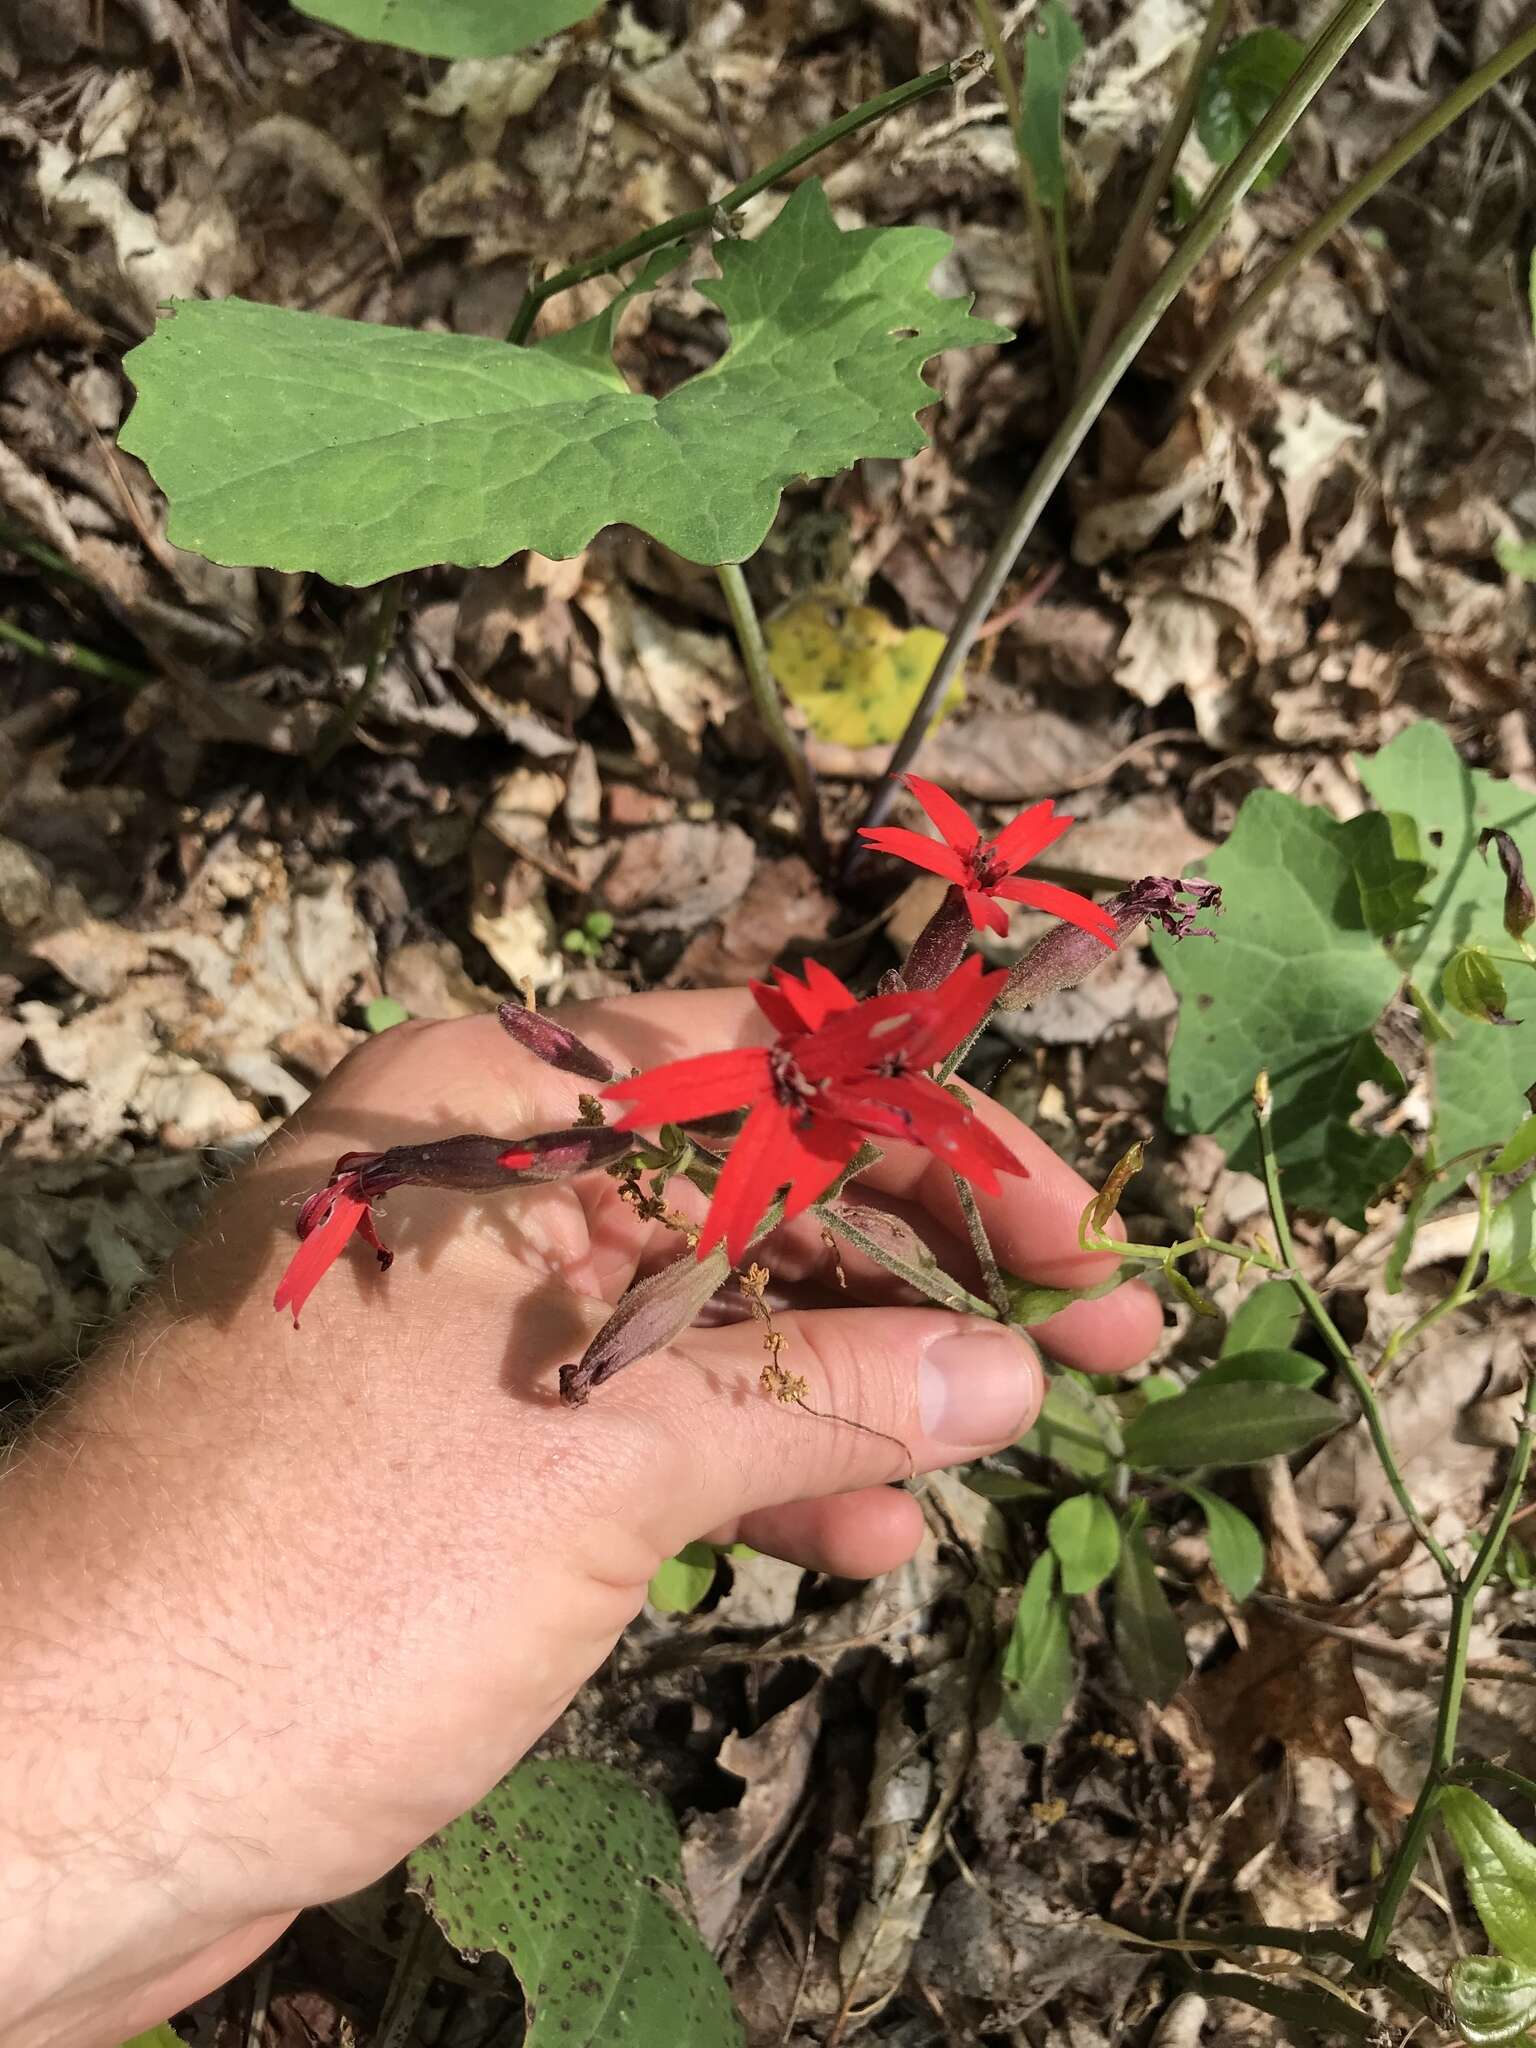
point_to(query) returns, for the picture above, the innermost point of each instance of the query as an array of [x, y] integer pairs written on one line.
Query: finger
[[848, 1535], [887, 1392]]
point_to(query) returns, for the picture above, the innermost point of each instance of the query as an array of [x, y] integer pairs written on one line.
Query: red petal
[[985, 915], [753, 1174], [913, 1107], [1088, 916], [819, 1149], [684, 1089], [954, 1009], [826, 991], [778, 1006], [956, 825], [321, 1249], [1028, 834], [792, 1007], [914, 847]]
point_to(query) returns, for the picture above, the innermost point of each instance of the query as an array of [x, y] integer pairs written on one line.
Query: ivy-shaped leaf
[[1479, 1072], [293, 441], [569, 1871], [1052, 45], [451, 28], [1036, 1671], [1294, 982]]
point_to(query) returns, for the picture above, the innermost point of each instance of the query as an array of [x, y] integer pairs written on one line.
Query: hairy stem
[[928, 1278], [981, 1244], [344, 724], [713, 215], [768, 702], [1159, 172], [1052, 305], [1348, 203], [69, 654], [1306, 82]]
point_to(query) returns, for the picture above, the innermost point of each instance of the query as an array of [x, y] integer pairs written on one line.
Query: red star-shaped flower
[[985, 871], [839, 1072]]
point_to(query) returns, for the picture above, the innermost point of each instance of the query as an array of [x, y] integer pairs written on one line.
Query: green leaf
[[1239, 89], [1516, 557], [1148, 1639], [1478, 1077], [1473, 984], [1036, 1670], [1389, 872], [1512, 1241], [1052, 45], [1280, 1366], [1237, 1548], [295, 441], [682, 1582], [1266, 1321], [1500, 1867], [451, 28], [383, 1013], [1520, 1150], [1076, 1429], [993, 1485], [1494, 2000], [569, 1871], [1085, 1536], [1029, 1304], [1228, 1425], [1295, 982], [157, 2037]]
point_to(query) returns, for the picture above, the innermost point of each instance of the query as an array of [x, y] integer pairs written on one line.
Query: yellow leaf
[[854, 674]]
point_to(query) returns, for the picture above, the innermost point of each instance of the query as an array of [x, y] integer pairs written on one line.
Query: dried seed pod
[[551, 1042], [1065, 956], [648, 1316]]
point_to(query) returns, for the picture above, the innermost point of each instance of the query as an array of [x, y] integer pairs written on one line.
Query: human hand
[[274, 1605]]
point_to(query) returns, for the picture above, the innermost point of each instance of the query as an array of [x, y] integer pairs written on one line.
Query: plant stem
[[1334, 1338], [930, 1279], [1306, 82], [1159, 172], [1466, 1279], [344, 723], [714, 214], [981, 1244], [1349, 202], [1052, 305], [1464, 1592], [769, 704], [69, 654]]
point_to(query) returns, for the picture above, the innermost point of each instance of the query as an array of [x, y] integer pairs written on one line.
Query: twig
[[1306, 82], [1366, 1643], [344, 723], [1046, 581], [1053, 305], [1153, 186], [769, 704], [70, 654], [1348, 203], [710, 216]]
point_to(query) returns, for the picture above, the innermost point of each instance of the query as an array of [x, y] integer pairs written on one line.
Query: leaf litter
[[195, 917]]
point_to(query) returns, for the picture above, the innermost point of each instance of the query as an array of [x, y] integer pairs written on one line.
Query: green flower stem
[[1348, 203], [1053, 306], [1474, 1771], [1466, 1280], [719, 211], [1323, 56], [1159, 173], [1333, 1337], [344, 723], [769, 703], [981, 1244], [1464, 1592], [69, 654]]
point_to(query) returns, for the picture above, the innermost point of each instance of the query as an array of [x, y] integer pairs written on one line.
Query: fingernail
[[978, 1385]]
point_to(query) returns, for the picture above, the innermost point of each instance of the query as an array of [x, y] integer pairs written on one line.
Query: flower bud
[[1065, 955], [473, 1164], [940, 946], [1519, 904], [648, 1316], [551, 1042]]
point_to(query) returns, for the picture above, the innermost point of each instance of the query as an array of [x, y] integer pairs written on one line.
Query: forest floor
[[210, 869]]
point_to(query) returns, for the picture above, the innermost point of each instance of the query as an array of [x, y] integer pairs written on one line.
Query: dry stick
[[1133, 235], [712, 215], [1051, 299], [769, 704], [69, 654], [1349, 202], [1306, 82]]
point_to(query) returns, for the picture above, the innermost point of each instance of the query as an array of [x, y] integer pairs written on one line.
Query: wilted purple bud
[[1519, 904], [648, 1316], [472, 1164], [552, 1043], [1065, 955], [940, 946]]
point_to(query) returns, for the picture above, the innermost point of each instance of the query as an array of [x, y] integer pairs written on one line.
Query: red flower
[[327, 1222], [840, 1071], [985, 870]]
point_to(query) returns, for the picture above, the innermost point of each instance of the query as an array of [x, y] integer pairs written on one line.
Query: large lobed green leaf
[[569, 1871], [293, 441], [451, 28]]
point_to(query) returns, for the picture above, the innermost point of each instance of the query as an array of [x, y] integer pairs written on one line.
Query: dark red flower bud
[[1065, 956], [648, 1316], [552, 1043], [939, 947], [1519, 904]]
